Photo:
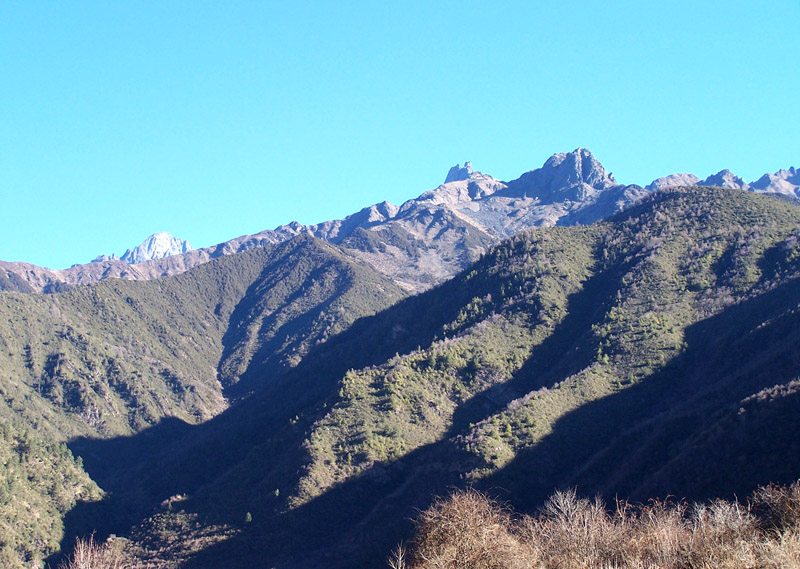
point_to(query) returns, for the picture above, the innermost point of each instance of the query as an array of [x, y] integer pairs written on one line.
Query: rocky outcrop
[[785, 182], [563, 177], [476, 186], [725, 179], [12, 281], [157, 246], [339, 229], [103, 258], [672, 181], [458, 173]]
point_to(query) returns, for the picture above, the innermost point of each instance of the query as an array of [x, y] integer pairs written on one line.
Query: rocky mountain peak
[[458, 173], [725, 179], [103, 258], [157, 246], [672, 181], [576, 167], [564, 176], [781, 182]]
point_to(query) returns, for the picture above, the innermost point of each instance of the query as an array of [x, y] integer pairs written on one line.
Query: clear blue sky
[[211, 120]]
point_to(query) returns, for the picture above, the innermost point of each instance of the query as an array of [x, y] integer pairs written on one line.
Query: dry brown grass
[[468, 530], [88, 554]]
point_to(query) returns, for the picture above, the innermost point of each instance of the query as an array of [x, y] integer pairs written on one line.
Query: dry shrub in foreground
[[469, 530], [88, 554]]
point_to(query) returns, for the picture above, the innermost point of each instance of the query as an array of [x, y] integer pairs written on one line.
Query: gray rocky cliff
[[672, 181], [157, 246], [569, 176], [458, 173], [725, 179], [785, 182]]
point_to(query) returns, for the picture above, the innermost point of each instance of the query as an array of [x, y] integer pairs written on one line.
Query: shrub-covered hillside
[[652, 354], [119, 357]]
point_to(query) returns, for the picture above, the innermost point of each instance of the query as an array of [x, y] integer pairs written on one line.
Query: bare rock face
[[475, 186], [336, 230], [725, 179], [103, 258], [570, 176], [785, 182], [457, 173], [157, 246], [569, 188], [672, 181], [9, 280]]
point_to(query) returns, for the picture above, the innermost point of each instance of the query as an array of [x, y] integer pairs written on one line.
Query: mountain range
[[291, 398], [425, 240]]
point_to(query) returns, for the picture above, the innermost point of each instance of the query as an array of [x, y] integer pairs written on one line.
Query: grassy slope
[[549, 362]]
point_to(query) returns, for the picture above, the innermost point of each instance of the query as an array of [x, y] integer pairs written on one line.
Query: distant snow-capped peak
[[157, 246]]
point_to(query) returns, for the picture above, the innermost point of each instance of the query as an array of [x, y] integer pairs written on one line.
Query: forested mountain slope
[[118, 357], [652, 353]]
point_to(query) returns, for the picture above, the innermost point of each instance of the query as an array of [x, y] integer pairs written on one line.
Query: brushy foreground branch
[[89, 554], [469, 530]]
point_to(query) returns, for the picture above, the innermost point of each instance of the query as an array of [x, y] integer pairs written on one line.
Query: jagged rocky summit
[[157, 246], [726, 179], [458, 173], [673, 180], [784, 182]]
